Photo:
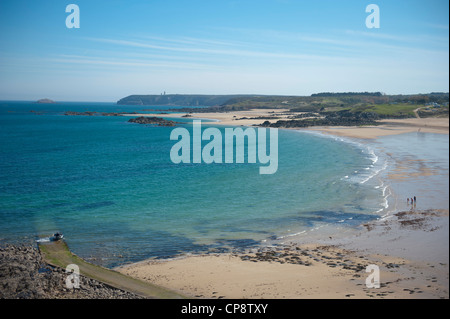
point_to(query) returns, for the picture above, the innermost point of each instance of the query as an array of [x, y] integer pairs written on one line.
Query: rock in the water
[[153, 121], [45, 101]]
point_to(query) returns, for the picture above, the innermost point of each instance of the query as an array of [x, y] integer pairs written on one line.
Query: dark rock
[[340, 118], [87, 113], [152, 121]]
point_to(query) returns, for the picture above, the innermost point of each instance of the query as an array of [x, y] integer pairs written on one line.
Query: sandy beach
[[259, 116], [238, 118], [333, 269], [390, 127], [409, 245]]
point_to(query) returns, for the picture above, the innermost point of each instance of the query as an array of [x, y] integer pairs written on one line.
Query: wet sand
[[333, 269]]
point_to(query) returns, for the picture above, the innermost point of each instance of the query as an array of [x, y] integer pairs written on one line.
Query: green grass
[[57, 257], [388, 110]]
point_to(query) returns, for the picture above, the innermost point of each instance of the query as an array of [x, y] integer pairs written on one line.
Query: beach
[[391, 127], [255, 117], [292, 239], [408, 243]]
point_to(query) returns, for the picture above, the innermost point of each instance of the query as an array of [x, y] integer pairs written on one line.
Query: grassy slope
[[389, 110]]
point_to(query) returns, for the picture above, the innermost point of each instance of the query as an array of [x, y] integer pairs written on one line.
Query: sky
[[271, 47]]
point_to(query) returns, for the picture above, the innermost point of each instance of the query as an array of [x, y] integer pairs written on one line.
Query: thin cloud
[[99, 61], [439, 26], [218, 51], [192, 41]]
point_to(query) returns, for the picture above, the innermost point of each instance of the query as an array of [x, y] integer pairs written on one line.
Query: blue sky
[[286, 47]]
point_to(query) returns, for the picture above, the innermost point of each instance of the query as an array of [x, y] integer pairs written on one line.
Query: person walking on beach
[[407, 200], [414, 199]]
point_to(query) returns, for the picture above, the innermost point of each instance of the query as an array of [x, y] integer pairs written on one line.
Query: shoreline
[[251, 118], [325, 270], [410, 246], [389, 128]]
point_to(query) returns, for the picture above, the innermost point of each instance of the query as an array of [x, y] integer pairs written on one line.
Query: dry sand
[[390, 127], [411, 249]]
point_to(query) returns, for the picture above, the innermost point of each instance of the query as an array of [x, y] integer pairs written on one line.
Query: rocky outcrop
[[341, 118], [91, 113], [158, 121], [24, 275], [87, 113]]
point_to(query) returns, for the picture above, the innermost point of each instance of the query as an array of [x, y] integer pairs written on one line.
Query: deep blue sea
[[112, 189]]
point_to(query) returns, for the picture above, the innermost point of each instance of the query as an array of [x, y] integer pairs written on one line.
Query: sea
[[111, 187]]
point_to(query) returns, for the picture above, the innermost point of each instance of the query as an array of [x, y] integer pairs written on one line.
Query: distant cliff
[[385, 106], [177, 100]]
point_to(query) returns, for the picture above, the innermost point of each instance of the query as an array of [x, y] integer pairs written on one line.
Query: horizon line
[[237, 94]]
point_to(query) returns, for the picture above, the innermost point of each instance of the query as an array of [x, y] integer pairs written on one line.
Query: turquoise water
[[111, 187]]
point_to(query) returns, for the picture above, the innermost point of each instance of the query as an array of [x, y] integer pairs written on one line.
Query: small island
[[45, 101]]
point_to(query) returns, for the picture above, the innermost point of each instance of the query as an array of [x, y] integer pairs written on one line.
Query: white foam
[[378, 164], [43, 240], [291, 235], [375, 168], [375, 173]]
